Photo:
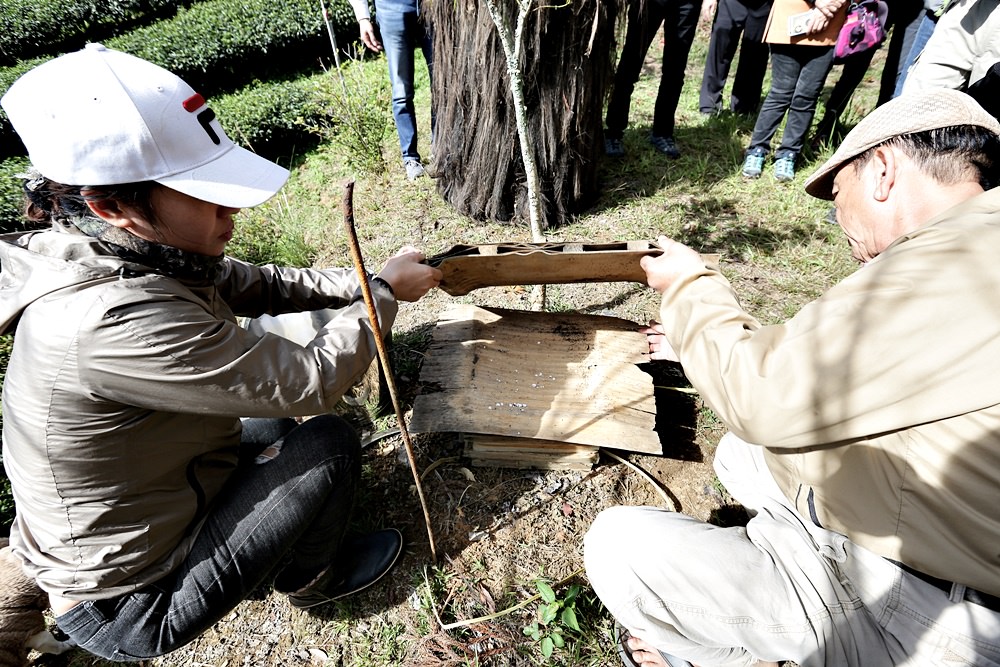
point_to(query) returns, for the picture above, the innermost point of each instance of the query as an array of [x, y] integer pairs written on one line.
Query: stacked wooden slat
[[537, 390]]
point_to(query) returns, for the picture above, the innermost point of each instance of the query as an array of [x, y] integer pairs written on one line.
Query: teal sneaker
[[784, 168], [753, 165]]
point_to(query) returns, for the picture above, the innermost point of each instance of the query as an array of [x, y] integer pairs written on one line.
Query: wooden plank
[[562, 377], [469, 267], [504, 452]]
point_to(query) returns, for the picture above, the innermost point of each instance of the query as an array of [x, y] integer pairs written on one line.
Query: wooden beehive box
[[537, 390]]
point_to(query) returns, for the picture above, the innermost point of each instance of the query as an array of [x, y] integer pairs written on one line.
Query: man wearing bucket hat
[[876, 409], [144, 506]]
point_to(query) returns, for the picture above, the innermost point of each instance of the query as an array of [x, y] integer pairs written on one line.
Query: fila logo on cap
[[205, 118]]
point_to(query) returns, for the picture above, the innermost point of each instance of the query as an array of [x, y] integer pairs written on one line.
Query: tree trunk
[[566, 60]]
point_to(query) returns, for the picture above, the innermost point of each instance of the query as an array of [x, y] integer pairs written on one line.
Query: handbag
[[863, 31]]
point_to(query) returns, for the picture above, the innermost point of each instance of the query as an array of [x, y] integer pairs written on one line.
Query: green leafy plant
[[269, 234], [554, 617], [358, 119]]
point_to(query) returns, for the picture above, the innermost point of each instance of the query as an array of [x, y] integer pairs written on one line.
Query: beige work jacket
[[878, 403], [122, 399]]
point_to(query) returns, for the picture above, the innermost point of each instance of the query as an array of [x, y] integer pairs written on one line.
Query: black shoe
[[665, 145], [362, 561], [614, 147]]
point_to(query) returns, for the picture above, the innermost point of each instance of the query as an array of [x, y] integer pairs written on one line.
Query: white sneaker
[[414, 169]]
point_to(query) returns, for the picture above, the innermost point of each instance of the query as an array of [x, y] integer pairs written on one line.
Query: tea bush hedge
[[220, 45], [11, 194], [30, 28], [215, 42]]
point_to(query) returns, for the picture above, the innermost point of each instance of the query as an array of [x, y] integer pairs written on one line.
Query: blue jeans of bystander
[[924, 32], [403, 31]]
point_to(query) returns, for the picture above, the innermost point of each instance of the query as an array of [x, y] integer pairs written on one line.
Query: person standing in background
[[402, 31], [933, 9], [903, 20], [680, 20], [963, 47], [731, 19], [801, 59]]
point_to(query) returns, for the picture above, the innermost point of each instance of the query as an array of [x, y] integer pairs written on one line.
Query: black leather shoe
[[361, 562]]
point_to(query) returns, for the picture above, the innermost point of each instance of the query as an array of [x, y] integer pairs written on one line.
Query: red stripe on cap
[[193, 103]]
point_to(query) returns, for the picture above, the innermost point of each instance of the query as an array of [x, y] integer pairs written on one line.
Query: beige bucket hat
[[907, 114]]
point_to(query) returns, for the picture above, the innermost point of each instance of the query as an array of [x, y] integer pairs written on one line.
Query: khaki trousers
[[779, 589]]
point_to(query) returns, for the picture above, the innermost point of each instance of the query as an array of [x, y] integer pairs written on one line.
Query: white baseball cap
[[102, 117]]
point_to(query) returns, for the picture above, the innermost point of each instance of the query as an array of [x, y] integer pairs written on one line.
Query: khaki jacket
[[878, 403], [122, 399], [964, 45]]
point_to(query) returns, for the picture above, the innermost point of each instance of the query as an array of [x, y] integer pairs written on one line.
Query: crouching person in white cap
[[143, 506], [876, 412]]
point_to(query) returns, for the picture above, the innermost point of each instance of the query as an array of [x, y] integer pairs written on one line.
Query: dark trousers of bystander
[[680, 21], [797, 77], [734, 18]]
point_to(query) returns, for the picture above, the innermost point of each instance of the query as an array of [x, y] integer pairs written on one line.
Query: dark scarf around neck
[[164, 259]]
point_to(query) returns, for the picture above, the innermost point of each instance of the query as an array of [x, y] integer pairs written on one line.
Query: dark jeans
[[291, 511], [402, 32], [797, 77], [733, 18], [679, 19]]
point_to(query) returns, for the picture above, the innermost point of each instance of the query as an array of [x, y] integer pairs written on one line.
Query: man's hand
[[677, 261], [817, 23], [368, 35], [408, 276], [659, 346]]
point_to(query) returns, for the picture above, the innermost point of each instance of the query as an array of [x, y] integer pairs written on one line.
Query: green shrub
[[12, 195], [267, 235], [358, 119], [276, 119], [33, 27], [215, 42]]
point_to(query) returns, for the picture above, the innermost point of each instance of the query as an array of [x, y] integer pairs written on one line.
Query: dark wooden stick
[[383, 355]]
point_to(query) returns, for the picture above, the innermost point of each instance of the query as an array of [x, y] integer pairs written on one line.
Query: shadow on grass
[[703, 188]]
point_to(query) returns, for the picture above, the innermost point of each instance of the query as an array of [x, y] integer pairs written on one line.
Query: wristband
[[384, 283]]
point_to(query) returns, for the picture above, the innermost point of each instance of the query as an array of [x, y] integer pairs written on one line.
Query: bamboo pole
[[383, 355]]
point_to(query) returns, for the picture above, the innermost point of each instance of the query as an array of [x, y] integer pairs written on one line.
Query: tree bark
[[566, 61]]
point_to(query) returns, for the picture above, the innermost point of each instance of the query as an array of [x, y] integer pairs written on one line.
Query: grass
[[776, 250]]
